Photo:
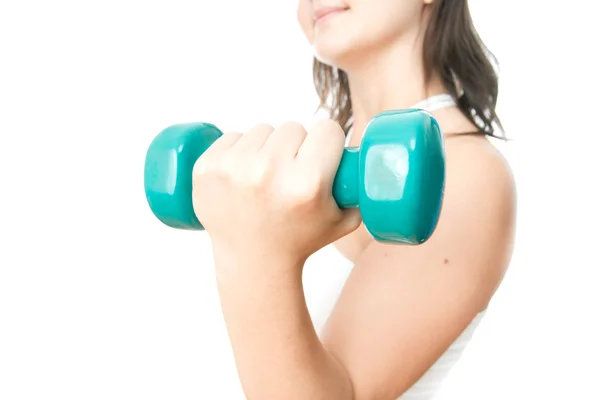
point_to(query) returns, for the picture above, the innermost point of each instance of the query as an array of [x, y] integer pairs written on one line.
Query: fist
[[268, 192]]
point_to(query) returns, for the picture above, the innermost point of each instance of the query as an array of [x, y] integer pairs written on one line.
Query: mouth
[[326, 12]]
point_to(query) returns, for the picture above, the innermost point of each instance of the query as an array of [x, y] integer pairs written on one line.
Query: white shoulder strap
[[430, 104], [436, 102]]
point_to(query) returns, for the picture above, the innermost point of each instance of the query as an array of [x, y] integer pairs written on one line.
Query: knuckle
[[230, 134], [255, 176], [204, 166], [304, 192], [262, 127], [227, 164], [228, 138], [328, 126], [258, 177], [292, 126], [200, 166]]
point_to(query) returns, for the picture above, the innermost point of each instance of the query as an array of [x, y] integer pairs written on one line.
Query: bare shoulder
[[474, 164], [480, 187], [475, 157]]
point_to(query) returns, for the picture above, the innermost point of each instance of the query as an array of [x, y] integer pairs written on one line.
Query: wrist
[[254, 265]]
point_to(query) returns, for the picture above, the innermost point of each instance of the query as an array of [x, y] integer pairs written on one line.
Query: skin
[[401, 306]]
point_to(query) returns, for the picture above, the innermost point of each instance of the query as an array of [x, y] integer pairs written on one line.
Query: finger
[[286, 140], [224, 142], [323, 147], [351, 221], [253, 140]]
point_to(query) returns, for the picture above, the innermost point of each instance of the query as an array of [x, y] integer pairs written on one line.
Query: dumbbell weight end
[[168, 172]]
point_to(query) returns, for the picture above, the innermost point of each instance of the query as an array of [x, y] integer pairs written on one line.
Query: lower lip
[[330, 15]]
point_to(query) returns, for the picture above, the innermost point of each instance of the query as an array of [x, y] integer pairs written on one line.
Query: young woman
[[266, 203]]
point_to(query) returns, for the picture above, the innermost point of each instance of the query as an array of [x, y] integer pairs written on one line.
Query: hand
[[268, 193]]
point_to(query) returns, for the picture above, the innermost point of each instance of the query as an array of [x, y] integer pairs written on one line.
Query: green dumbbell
[[396, 177]]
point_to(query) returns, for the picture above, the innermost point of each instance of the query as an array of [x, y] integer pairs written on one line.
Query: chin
[[343, 46], [333, 55], [341, 52]]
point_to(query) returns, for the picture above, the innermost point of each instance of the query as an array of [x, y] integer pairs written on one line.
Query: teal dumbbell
[[396, 177]]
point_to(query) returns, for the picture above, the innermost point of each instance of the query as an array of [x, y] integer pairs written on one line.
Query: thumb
[[350, 221]]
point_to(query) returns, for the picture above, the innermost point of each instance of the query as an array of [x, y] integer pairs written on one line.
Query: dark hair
[[453, 50]]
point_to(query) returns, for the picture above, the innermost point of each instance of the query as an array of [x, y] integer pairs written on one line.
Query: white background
[[98, 300]]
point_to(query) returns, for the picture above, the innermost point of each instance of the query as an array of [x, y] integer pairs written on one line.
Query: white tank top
[[324, 276]]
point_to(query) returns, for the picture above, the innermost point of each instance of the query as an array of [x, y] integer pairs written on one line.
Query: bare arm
[[278, 354], [401, 308]]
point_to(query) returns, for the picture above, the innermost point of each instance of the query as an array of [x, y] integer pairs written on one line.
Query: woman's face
[[344, 30]]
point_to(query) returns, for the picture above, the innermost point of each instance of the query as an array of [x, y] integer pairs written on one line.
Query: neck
[[390, 79]]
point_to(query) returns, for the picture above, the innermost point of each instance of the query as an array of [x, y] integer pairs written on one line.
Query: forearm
[[278, 353]]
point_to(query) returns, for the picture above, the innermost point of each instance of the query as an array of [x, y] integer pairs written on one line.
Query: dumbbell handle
[[179, 147]]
